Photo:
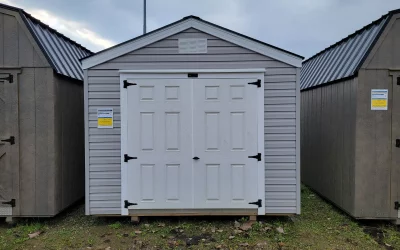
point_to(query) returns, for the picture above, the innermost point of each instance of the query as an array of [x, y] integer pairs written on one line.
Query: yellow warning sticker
[[105, 122], [105, 118], [379, 103], [379, 99]]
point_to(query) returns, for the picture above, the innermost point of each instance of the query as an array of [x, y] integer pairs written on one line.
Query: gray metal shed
[[350, 121], [41, 112], [148, 151]]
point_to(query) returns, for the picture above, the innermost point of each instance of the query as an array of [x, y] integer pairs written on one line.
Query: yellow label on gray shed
[[105, 118], [379, 99]]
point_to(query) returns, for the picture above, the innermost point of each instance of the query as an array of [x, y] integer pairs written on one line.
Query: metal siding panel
[[280, 105]]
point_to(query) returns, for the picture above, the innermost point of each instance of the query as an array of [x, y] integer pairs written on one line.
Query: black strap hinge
[[9, 78], [396, 205], [11, 140], [258, 203], [257, 156], [127, 158], [11, 203], [193, 75], [127, 204], [398, 80], [258, 83], [126, 84]]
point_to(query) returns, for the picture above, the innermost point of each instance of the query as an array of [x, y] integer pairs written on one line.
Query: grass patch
[[320, 226]]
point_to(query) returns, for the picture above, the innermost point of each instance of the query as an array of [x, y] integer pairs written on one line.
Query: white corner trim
[[174, 71], [124, 48]]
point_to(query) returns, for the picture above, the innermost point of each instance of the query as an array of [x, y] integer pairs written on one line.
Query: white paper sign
[[192, 45], [105, 118], [379, 99]]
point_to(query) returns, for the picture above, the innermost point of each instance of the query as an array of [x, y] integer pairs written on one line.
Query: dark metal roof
[[62, 53], [343, 59], [197, 18]]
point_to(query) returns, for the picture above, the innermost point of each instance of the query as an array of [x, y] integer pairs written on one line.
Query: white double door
[[192, 139]]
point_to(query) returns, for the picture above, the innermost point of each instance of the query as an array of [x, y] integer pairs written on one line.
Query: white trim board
[[150, 74], [174, 71], [185, 24]]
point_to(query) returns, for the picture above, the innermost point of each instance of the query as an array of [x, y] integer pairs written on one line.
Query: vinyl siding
[[104, 185]]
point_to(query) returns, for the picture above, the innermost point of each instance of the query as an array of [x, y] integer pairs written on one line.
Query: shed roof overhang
[[199, 24]]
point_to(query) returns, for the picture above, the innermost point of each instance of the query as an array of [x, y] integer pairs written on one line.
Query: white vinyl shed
[[192, 119]]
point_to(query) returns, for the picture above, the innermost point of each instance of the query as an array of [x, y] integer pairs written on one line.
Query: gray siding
[[69, 141], [328, 121], [103, 173], [36, 187]]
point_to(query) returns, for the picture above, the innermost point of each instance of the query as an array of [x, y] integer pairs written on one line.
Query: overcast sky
[[302, 26]]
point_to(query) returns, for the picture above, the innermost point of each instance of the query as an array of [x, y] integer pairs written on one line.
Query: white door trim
[[177, 74], [174, 71]]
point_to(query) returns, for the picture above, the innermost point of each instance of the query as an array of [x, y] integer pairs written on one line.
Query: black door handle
[[397, 143], [196, 158]]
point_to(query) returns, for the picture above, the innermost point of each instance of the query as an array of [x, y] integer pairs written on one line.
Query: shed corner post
[[298, 117], [87, 170]]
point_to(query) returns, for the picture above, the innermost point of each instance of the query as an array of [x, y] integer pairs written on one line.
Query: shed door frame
[[183, 74]]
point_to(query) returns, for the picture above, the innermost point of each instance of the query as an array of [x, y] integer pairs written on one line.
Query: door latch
[[397, 143], [196, 158], [11, 140]]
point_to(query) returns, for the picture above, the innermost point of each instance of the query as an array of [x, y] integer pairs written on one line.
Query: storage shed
[[350, 121], [192, 119], [41, 117]]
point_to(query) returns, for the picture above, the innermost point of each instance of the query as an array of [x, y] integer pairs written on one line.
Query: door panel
[[8, 153], [225, 135], [160, 136]]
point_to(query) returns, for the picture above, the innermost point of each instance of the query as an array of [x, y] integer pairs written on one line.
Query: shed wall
[[17, 46], [102, 83], [36, 142], [35, 193], [328, 121], [377, 179], [373, 148], [40, 193], [69, 141]]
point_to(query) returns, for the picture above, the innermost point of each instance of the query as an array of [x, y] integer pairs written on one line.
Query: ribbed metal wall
[[342, 59]]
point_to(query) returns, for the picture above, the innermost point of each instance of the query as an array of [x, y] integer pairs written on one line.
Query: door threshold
[[193, 212]]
